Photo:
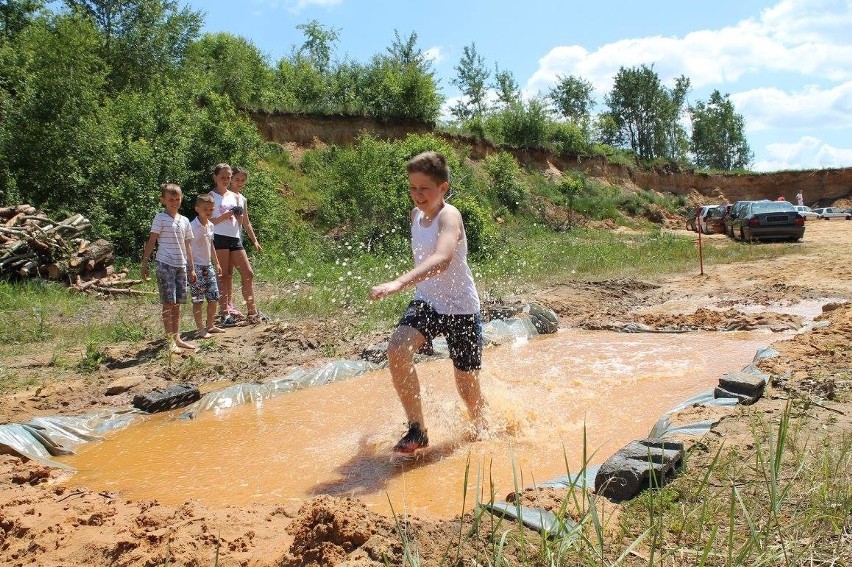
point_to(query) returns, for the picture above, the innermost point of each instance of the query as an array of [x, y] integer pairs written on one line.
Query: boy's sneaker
[[228, 321], [415, 439]]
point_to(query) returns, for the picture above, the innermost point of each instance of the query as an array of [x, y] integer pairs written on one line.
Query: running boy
[[445, 300], [171, 234], [207, 268]]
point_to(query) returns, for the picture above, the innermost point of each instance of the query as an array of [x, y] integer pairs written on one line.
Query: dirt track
[[43, 523]]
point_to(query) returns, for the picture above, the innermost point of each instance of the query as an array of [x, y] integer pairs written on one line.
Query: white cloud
[[806, 153], [434, 54], [798, 50], [804, 37], [812, 107]]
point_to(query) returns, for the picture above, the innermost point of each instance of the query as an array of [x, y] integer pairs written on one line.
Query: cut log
[[57, 270], [28, 268], [12, 210], [96, 252], [122, 291]]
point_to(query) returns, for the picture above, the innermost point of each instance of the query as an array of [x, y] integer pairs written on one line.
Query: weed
[[92, 358]]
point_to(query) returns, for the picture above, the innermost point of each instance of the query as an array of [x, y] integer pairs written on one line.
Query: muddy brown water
[[545, 395]]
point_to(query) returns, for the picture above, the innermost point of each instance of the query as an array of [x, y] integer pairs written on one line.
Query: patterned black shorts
[[463, 332]]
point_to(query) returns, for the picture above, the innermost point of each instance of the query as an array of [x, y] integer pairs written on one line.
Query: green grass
[[784, 499], [315, 280]]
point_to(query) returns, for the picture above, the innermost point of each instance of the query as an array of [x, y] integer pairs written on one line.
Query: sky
[[786, 64]]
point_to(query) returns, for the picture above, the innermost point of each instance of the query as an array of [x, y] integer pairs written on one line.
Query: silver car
[[806, 212], [833, 213]]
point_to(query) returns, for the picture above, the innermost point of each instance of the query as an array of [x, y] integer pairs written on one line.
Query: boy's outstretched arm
[[449, 233], [146, 254]]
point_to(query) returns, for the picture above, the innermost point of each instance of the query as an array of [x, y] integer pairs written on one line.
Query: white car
[[806, 212], [833, 213]]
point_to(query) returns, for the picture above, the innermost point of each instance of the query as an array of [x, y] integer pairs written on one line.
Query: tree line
[[103, 100]]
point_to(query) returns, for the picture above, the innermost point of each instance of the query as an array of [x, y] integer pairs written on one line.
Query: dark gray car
[[771, 220], [736, 212]]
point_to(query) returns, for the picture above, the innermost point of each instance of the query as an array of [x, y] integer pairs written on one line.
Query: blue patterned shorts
[[205, 286], [171, 282]]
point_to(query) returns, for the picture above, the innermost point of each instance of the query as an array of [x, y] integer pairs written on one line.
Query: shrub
[[504, 174], [477, 225], [567, 139]]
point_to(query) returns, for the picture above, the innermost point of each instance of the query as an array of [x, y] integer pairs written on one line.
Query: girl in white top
[[227, 221], [445, 302]]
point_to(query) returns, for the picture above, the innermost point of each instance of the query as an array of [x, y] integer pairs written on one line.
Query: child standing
[[206, 268], [227, 223], [172, 235], [445, 300], [238, 182]]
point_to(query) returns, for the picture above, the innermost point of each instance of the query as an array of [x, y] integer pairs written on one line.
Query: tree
[[52, 138], [16, 14], [318, 45], [572, 97], [506, 86], [718, 135], [401, 84], [472, 80], [644, 115], [142, 39], [233, 66], [406, 52]]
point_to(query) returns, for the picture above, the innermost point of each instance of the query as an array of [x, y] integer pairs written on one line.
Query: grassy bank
[[298, 284], [781, 498]]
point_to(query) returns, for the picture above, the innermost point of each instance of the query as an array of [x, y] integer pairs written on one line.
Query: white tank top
[[452, 292], [221, 205]]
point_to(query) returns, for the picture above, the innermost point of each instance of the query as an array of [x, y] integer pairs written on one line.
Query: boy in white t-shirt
[[207, 269], [172, 235]]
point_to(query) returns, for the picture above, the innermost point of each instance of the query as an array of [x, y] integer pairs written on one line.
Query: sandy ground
[[44, 523]]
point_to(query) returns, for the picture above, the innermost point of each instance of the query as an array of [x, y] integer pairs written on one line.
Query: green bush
[[477, 225], [566, 139], [505, 183], [521, 125]]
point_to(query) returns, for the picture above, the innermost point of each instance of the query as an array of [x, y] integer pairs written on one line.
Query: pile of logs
[[34, 245]]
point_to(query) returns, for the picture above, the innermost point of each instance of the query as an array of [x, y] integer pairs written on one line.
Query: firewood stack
[[34, 245]]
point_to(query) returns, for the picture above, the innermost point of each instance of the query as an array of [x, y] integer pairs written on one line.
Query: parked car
[[771, 220], [735, 213], [806, 212], [833, 213], [712, 218]]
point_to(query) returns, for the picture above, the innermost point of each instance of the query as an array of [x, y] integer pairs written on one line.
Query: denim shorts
[[222, 242], [463, 332], [171, 282], [205, 286]]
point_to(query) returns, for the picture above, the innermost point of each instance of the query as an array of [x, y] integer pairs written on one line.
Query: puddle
[[336, 439]]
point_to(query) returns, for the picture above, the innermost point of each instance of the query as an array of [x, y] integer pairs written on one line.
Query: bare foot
[[215, 329], [202, 334], [174, 349], [183, 344]]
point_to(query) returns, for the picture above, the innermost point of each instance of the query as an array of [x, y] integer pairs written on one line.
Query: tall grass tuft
[[786, 501]]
